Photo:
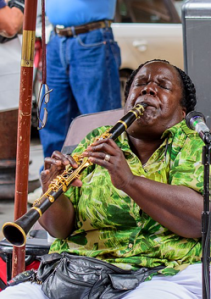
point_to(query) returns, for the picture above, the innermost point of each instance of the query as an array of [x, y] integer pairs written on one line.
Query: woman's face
[[159, 85]]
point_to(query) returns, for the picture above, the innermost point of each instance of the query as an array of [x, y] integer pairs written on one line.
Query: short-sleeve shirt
[[109, 225], [2, 3], [74, 13]]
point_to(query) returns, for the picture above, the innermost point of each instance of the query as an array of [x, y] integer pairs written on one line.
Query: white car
[[145, 30]]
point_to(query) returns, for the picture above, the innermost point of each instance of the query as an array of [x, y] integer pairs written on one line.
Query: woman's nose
[[149, 89]]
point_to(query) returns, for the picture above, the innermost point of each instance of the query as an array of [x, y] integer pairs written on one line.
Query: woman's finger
[[66, 159], [105, 146], [48, 162]]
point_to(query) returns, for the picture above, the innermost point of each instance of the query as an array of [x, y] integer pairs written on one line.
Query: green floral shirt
[[108, 224]]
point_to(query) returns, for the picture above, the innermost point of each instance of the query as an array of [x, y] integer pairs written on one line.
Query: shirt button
[[130, 245]]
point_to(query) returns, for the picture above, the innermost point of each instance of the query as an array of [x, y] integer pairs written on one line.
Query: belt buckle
[[58, 28]]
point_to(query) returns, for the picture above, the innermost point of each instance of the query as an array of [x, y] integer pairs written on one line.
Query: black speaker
[[196, 19]]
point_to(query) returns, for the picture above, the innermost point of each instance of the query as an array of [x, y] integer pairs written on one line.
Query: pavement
[[36, 158]]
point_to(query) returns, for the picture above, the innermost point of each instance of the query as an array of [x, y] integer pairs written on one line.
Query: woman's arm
[[176, 207], [58, 220]]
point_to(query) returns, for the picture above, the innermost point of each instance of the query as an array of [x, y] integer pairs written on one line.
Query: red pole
[[24, 125]]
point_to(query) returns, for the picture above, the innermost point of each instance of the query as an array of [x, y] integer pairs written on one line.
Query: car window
[[147, 11]]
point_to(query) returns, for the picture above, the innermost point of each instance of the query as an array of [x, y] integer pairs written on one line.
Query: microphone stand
[[206, 221]]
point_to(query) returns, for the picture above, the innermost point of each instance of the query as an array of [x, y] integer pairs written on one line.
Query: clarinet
[[16, 232]]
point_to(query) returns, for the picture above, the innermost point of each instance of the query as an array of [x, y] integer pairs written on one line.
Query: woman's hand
[[107, 154], [54, 166]]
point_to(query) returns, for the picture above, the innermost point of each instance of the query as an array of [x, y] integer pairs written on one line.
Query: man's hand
[[11, 21]]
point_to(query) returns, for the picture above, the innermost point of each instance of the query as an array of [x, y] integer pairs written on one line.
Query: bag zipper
[[97, 261]]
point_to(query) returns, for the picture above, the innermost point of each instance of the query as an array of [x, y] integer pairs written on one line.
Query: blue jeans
[[83, 73]]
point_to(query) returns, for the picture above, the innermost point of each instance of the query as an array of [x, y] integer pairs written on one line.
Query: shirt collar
[[166, 136], [174, 129]]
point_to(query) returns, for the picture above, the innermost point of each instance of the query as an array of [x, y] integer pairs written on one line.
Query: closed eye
[[164, 84], [137, 84], [164, 87], [140, 82]]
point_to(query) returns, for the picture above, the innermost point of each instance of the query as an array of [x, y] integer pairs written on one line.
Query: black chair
[[37, 242]]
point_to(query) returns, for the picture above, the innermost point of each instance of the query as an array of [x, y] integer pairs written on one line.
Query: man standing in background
[[82, 65]]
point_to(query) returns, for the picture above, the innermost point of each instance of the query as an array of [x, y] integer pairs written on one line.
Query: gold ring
[[107, 158]]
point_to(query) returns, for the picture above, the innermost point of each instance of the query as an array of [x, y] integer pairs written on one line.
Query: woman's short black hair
[[189, 93]]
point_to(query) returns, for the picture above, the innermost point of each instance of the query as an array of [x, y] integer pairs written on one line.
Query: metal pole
[[24, 125], [206, 222]]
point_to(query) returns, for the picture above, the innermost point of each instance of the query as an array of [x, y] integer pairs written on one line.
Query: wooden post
[[24, 125]]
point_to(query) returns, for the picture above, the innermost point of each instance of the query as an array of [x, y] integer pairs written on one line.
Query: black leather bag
[[67, 276]]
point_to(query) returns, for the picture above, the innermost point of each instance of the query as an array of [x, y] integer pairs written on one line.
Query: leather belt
[[75, 30]]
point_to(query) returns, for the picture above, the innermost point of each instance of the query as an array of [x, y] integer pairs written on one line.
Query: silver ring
[[107, 157]]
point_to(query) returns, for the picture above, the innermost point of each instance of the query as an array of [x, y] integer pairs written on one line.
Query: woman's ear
[[183, 112]]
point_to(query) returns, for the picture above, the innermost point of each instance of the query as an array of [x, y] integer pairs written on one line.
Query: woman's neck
[[144, 148]]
